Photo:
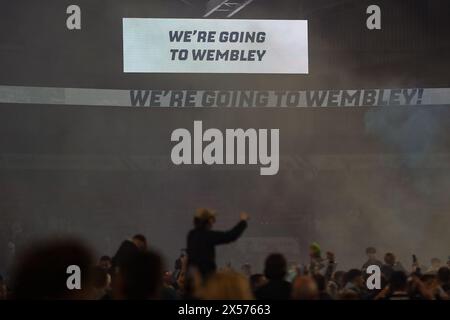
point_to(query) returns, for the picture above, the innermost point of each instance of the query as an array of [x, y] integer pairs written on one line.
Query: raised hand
[[244, 216]]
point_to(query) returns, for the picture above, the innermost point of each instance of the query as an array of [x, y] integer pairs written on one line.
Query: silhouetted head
[[389, 259], [140, 277], [140, 241], [275, 267], [339, 278], [204, 218], [305, 288], [314, 250], [42, 272], [105, 262], [355, 277], [227, 285], [371, 252]]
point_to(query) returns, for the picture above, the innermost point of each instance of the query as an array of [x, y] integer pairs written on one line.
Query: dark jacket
[[274, 290], [126, 250], [201, 246]]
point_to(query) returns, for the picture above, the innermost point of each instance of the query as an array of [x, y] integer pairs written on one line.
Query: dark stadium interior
[[348, 179]]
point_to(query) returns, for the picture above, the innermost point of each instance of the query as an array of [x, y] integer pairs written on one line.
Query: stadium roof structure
[[227, 7]]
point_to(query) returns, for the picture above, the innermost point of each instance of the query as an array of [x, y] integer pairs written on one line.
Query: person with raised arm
[[202, 240]]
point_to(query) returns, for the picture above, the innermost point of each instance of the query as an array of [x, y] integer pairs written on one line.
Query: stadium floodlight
[[229, 7]]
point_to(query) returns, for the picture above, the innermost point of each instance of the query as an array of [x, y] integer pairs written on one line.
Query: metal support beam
[[230, 7]]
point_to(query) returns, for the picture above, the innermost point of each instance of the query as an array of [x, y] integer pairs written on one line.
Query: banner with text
[[311, 98], [215, 46], [225, 98]]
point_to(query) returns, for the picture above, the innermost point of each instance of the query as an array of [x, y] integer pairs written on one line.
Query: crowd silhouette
[[138, 272]]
